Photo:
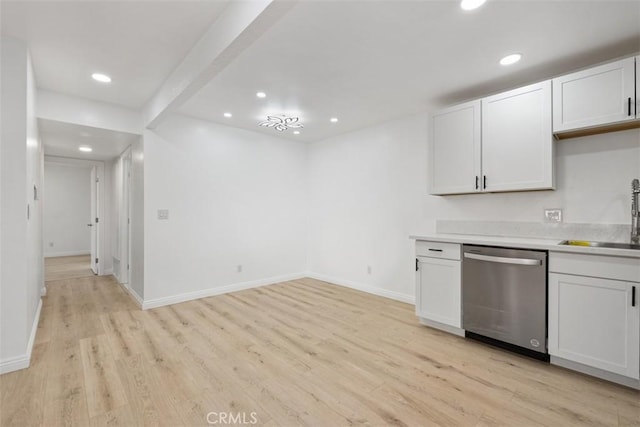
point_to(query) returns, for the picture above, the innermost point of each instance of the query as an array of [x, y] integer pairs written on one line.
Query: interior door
[[93, 221]]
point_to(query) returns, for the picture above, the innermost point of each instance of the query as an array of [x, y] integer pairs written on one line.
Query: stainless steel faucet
[[635, 212]]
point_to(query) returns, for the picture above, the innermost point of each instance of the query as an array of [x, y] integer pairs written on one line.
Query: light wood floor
[[67, 267], [296, 353]]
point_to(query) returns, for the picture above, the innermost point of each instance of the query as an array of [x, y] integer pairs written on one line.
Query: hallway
[[67, 267]]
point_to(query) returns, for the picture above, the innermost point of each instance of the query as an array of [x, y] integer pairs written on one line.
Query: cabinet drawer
[[609, 267], [438, 250]]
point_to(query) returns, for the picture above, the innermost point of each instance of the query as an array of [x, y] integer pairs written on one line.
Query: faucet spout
[[635, 212]]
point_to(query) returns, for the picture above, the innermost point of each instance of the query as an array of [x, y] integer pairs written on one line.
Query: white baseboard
[[43, 291], [23, 361], [137, 298], [188, 296], [599, 373], [409, 299], [67, 253]]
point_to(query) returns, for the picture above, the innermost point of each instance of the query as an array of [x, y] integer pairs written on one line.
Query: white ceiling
[[63, 139], [368, 62], [137, 43], [362, 61]]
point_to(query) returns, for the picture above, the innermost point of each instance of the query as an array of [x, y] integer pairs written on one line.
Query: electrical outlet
[[163, 213], [553, 215], [368, 269], [239, 269]]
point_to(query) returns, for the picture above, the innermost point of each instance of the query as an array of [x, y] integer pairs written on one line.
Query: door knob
[[90, 225]]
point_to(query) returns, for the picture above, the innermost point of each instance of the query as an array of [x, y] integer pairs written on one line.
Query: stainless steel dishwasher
[[504, 298]]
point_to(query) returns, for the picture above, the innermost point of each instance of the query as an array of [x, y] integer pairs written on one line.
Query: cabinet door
[[592, 321], [598, 96], [517, 141], [438, 291], [454, 150]]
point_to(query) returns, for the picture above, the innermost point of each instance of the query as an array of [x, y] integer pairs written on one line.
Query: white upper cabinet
[[454, 151], [517, 140], [599, 96], [500, 143]]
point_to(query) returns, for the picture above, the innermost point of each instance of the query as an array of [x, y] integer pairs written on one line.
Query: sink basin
[[600, 244]]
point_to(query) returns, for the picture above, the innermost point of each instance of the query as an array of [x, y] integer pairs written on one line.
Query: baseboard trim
[[133, 294], [23, 362], [189, 296], [66, 253], [397, 296], [43, 291], [595, 372]]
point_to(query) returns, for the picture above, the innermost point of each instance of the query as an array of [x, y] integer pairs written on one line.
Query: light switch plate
[[163, 213], [553, 215]]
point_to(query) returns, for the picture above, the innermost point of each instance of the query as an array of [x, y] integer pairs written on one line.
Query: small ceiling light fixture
[[102, 78], [261, 94], [510, 59], [85, 149], [281, 123], [471, 4], [296, 132], [333, 120], [227, 115]]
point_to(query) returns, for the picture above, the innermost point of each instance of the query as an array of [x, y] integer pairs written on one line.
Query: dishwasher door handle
[[503, 260]]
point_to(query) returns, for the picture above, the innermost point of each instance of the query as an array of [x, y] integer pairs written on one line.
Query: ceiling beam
[[86, 112], [240, 24]]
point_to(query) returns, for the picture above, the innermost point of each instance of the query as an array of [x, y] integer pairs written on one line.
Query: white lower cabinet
[[438, 283], [595, 322]]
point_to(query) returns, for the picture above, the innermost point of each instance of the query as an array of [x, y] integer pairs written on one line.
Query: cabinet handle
[[477, 183], [484, 182], [417, 264], [633, 296], [629, 105], [435, 250]]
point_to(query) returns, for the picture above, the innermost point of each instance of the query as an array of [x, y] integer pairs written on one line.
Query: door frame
[[124, 218], [100, 168]]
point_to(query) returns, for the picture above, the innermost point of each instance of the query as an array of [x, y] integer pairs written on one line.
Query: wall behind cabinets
[[368, 192]]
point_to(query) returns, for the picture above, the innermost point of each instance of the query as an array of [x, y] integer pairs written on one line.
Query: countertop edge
[[552, 245]]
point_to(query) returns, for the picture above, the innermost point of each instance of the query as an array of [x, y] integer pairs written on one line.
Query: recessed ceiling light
[[333, 120], [227, 115], [102, 78], [471, 4], [510, 59], [261, 95], [296, 132], [85, 149]]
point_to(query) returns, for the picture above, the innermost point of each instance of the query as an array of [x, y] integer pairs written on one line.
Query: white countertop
[[525, 243]]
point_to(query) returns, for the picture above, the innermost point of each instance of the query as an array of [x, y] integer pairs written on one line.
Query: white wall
[[234, 198], [368, 192], [67, 209], [138, 261], [20, 237]]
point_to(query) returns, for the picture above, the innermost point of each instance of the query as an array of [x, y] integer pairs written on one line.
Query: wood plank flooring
[[297, 353], [67, 267]]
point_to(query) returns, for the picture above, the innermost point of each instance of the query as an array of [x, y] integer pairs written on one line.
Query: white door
[[438, 291], [593, 97], [454, 150], [517, 141], [595, 322], [93, 222]]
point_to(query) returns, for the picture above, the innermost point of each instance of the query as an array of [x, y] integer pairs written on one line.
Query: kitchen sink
[[600, 244]]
